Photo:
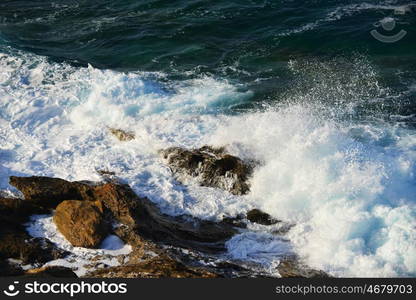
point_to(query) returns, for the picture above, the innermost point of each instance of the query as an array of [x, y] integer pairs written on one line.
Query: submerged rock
[[260, 217], [212, 167], [81, 222], [122, 135]]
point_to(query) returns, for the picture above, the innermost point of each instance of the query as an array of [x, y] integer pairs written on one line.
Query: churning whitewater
[[346, 185]]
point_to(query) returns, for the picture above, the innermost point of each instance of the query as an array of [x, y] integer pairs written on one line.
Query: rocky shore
[[86, 214]]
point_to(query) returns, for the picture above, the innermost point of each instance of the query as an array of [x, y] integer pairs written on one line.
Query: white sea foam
[[352, 200], [348, 187]]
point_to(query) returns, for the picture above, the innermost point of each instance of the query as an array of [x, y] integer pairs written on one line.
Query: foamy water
[[348, 186]]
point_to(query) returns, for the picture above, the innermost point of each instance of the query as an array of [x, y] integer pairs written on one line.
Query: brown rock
[[260, 217], [81, 222], [122, 135], [211, 167]]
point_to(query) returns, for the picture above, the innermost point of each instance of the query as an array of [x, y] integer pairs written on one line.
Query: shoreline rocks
[[121, 204], [212, 167], [162, 245]]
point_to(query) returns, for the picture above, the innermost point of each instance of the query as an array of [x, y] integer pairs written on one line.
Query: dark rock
[[259, 217], [158, 267], [50, 272], [211, 167], [19, 245], [81, 222], [142, 225], [17, 210], [235, 221], [122, 135], [49, 192], [14, 240], [9, 269]]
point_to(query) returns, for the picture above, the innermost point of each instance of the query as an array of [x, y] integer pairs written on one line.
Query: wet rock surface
[[212, 167]]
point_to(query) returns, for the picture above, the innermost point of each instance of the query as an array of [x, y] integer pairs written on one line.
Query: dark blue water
[[240, 39]]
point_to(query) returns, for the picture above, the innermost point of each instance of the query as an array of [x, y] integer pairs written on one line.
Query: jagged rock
[[51, 272], [211, 167], [260, 217], [81, 222], [122, 135], [158, 267]]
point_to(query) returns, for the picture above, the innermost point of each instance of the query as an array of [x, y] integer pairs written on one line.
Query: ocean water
[[301, 86]]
